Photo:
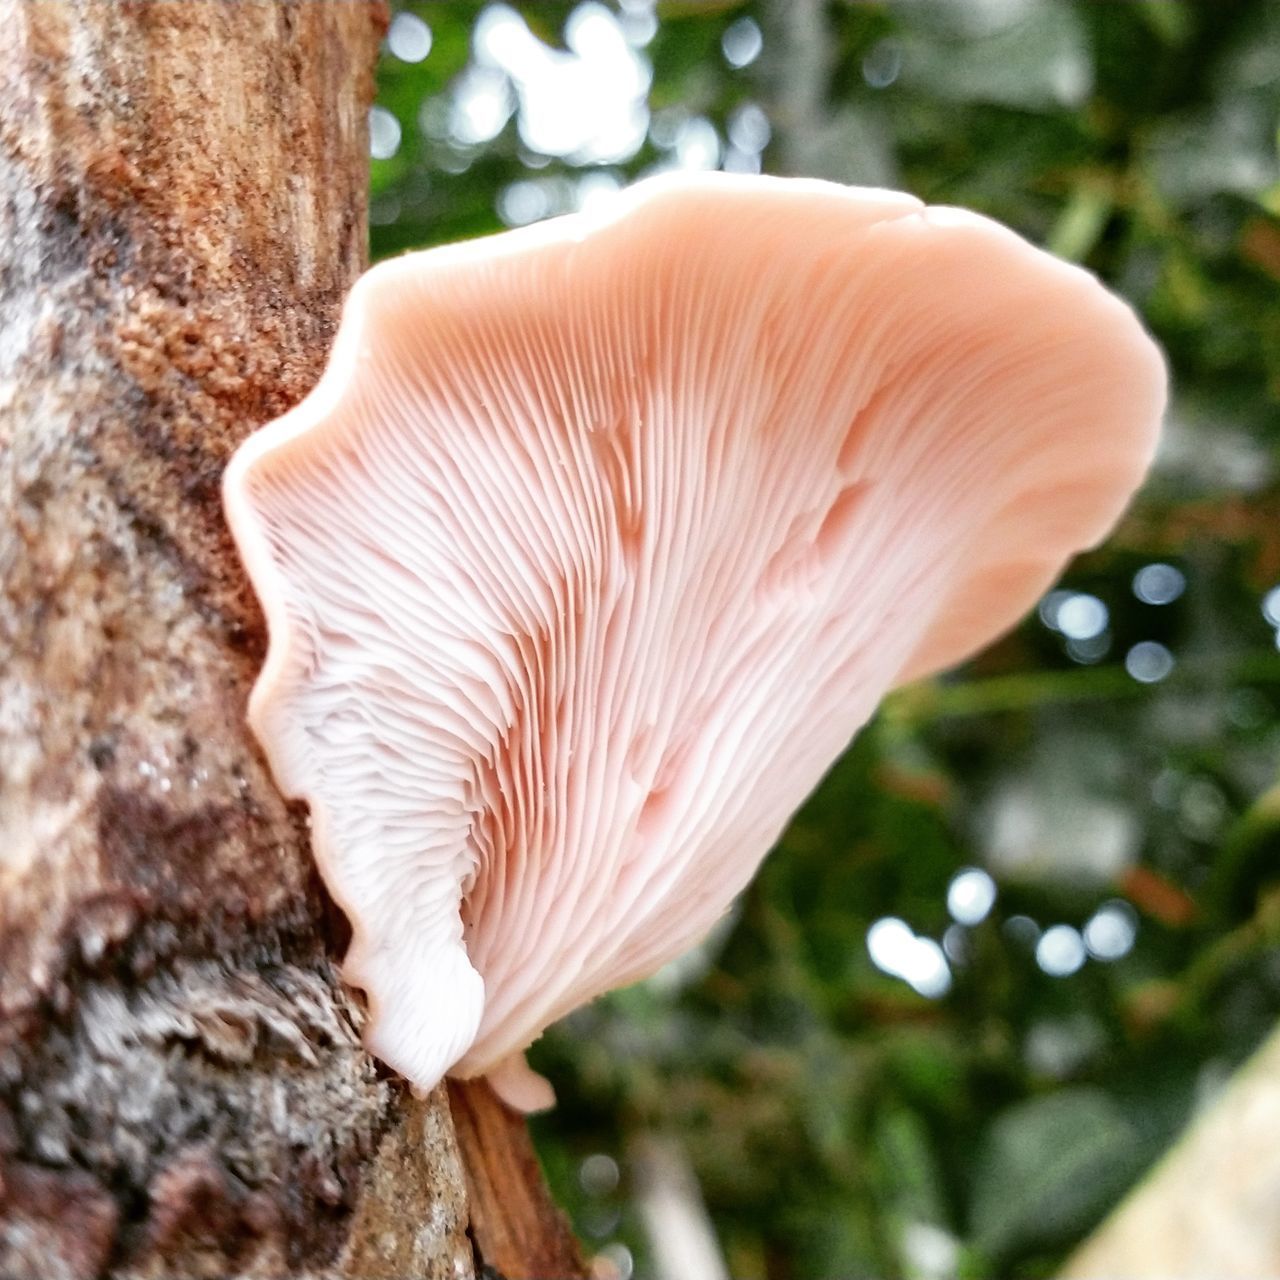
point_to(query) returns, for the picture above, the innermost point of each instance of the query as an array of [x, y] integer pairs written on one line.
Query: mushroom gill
[[600, 539]]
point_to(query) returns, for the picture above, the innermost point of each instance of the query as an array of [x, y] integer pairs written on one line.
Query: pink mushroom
[[599, 540]]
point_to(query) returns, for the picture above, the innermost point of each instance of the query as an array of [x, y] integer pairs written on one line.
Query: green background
[[839, 1123]]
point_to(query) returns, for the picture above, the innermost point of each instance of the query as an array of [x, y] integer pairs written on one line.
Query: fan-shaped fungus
[[598, 541]]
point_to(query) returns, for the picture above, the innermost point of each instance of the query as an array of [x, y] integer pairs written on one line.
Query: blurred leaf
[[1050, 1167], [1169, 19], [915, 1190], [1081, 223]]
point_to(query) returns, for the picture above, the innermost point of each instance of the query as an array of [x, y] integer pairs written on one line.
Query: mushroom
[[598, 540]]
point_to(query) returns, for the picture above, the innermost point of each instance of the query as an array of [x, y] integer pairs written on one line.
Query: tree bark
[[182, 1086], [1212, 1205]]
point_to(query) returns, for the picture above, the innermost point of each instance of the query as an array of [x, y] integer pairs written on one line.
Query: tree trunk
[[182, 1087], [1212, 1205]]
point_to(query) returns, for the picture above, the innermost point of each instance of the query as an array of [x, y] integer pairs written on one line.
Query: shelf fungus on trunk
[[599, 539]]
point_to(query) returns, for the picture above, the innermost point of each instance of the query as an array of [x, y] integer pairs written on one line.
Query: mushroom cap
[[598, 540]]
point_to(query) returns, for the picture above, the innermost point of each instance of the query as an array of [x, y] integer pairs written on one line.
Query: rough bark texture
[[1212, 1206], [182, 1088]]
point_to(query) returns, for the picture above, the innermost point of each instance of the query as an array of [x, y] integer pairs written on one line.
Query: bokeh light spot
[[523, 202], [1110, 932], [588, 102], [697, 145], [1060, 951], [1148, 662], [882, 63], [595, 188], [749, 128], [931, 1252], [482, 105], [1050, 605], [599, 1174], [920, 962], [384, 134], [971, 895], [639, 22], [408, 37], [742, 43], [955, 944], [1159, 584], [613, 1262], [1091, 649], [1082, 617], [1022, 930]]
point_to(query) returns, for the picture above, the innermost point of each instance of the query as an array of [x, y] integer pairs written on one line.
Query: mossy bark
[[182, 1087]]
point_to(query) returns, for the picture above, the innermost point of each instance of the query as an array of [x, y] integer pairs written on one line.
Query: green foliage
[[1048, 1166], [840, 1123]]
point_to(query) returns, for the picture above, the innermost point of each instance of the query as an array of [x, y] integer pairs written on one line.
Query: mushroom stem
[[516, 1226]]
